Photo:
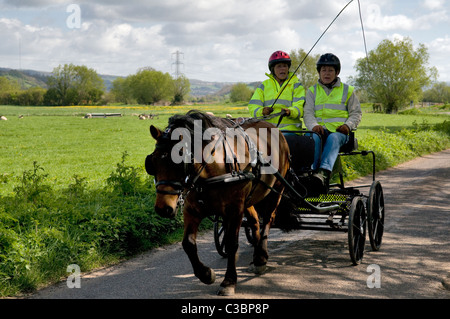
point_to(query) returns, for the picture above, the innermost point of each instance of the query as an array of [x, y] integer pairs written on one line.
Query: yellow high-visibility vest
[[292, 97], [331, 110]]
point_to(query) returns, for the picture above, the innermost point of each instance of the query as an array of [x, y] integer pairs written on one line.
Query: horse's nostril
[[169, 211], [165, 211]]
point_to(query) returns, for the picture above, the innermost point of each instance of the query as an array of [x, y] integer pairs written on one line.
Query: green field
[[75, 191], [65, 144]]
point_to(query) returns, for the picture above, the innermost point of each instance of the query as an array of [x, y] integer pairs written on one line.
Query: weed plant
[[43, 230]]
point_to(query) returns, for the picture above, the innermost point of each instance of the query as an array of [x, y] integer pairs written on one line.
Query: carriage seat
[[301, 148], [351, 145]]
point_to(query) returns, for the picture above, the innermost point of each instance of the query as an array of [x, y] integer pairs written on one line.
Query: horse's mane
[[187, 121]]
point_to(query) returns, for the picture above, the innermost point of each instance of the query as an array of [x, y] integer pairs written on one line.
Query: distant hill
[[32, 78], [26, 78], [202, 88]]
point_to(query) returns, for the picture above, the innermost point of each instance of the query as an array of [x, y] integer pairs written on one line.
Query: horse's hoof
[[226, 291], [209, 278], [258, 270]]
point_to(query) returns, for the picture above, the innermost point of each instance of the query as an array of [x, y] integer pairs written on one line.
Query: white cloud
[[438, 50], [32, 3], [222, 40], [377, 21], [433, 4]]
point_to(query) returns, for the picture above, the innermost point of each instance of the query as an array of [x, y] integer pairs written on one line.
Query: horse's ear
[[155, 132]]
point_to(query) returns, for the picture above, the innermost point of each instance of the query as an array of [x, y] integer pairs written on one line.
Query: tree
[[182, 87], [73, 85], [32, 96], [307, 73], [240, 92], [59, 84], [7, 85], [150, 86], [121, 88], [395, 73], [88, 85], [439, 92], [8, 90]]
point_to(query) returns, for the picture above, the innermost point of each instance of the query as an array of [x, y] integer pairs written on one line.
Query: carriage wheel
[[375, 215], [219, 236], [357, 230]]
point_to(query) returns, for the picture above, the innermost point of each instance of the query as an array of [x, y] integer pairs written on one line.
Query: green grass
[[65, 143], [75, 191]]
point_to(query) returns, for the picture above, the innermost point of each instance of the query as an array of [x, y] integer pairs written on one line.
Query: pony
[[225, 174]]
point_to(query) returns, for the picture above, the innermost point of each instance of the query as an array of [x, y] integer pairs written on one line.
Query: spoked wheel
[[357, 230], [375, 212], [219, 236]]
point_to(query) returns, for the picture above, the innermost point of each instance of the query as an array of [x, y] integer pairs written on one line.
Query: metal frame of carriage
[[342, 209]]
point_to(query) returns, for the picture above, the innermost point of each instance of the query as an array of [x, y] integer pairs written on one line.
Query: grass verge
[[46, 226]]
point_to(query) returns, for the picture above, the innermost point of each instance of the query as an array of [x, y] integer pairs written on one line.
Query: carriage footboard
[[318, 209]]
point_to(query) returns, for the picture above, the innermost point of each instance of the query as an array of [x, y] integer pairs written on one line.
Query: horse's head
[[173, 160], [169, 176]]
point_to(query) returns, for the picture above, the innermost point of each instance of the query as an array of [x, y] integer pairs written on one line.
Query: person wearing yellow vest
[[332, 110], [282, 88]]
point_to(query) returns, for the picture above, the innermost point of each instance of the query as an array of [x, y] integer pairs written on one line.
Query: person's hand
[[318, 129], [267, 110], [287, 112], [344, 129]]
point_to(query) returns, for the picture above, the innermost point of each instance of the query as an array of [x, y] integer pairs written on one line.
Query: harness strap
[[177, 186], [229, 178]]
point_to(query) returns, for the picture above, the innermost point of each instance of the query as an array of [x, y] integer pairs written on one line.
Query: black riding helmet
[[329, 59]]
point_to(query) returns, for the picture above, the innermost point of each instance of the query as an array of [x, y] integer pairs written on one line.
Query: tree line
[[392, 75], [71, 84]]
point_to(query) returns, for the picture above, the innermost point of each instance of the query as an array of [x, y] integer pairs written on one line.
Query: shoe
[[320, 181]]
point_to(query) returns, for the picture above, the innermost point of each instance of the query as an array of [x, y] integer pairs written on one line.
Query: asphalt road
[[413, 262]]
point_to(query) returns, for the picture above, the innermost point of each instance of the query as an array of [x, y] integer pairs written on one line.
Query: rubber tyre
[[375, 215], [357, 230]]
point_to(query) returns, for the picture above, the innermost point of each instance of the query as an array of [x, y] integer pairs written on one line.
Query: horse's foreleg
[[261, 252], [233, 224], [202, 272], [268, 209], [253, 224]]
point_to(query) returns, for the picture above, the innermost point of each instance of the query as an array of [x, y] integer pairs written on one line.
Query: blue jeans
[[289, 134], [332, 145]]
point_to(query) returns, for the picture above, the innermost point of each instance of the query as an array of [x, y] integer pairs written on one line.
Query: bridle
[[151, 170], [180, 189], [192, 175], [177, 187]]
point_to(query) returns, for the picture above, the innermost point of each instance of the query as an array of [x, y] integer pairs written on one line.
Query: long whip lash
[[364, 36], [307, 54]]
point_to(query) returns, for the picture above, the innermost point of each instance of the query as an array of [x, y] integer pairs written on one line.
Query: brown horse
[[224, 174]]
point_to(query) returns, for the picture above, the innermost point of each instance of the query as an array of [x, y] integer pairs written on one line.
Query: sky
[[216, 40]]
